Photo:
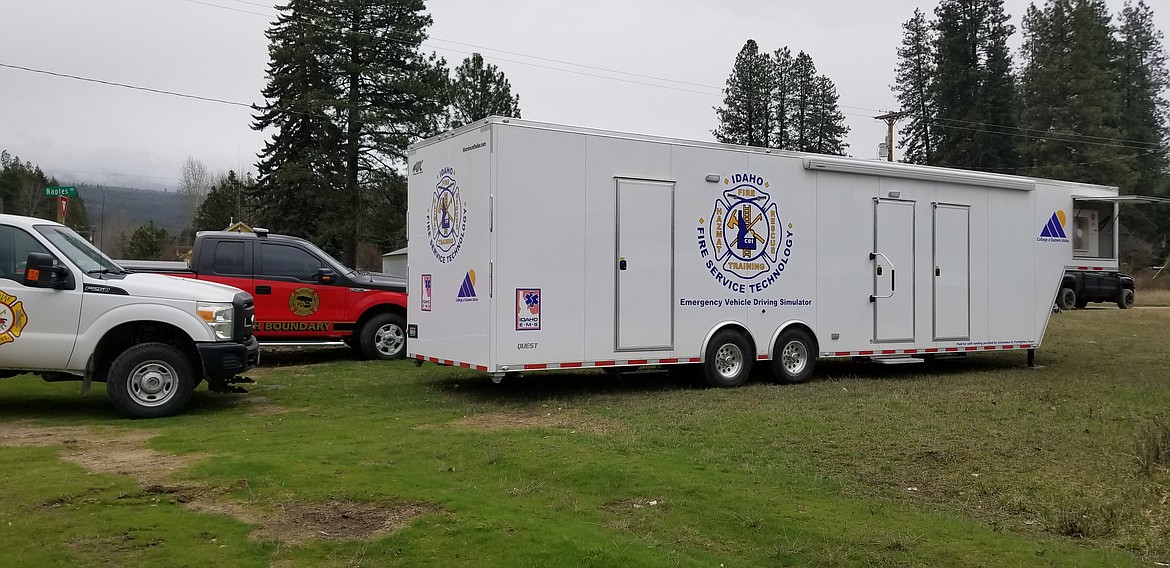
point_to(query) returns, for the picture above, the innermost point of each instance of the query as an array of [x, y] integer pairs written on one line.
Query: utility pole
[[890, 117]]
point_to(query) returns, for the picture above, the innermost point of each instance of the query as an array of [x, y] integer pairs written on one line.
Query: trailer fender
[[736, 326], [784, 327]]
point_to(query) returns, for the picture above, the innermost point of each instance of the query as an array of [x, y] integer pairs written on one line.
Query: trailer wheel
[[151, 380], [794, 357], [1125, 299], [1066, 299], [384, 337], [729, 360]]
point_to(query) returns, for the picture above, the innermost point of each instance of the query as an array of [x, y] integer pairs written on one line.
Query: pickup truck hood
[[161, 286], [379, 282]]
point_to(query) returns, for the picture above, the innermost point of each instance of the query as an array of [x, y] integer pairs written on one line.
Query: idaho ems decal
[[746, 245], [447, 218], [12, 318]]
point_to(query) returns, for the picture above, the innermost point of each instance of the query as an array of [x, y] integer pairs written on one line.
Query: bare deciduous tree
[[194, 184]]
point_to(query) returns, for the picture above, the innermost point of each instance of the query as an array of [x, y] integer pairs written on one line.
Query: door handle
[[621, 264], [264, 289], [937, 272], [874, 256]]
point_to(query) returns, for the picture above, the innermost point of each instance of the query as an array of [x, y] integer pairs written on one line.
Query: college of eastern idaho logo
[[746, 245], [447, 218], [12, 318], [1053, 231], [304, 301]]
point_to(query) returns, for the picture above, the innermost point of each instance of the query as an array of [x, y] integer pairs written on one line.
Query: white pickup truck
[[68, 312]]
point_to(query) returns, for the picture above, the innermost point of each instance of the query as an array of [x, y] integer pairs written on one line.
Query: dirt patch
[[123, 452], [635, 504], [535, 418]]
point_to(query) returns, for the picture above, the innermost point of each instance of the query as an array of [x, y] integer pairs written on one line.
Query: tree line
[[1083, 101]]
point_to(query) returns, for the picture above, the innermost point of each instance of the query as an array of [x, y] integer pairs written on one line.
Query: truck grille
[[245, 316]]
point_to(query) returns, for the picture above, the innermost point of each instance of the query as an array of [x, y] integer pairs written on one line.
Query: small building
[[394, 263], [239, 227]]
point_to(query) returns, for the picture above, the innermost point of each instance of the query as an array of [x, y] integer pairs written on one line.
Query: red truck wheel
[[384, 337]]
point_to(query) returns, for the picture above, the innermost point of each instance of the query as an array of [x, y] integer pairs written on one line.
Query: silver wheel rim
[[794, 357], [728, 360], [153, 383], [389, 339]]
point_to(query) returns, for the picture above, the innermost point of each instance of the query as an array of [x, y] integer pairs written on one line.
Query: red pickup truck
[[303, 295]]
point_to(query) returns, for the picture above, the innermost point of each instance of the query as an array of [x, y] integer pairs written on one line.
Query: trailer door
[[952, 272], [644, 265], [893, 271]]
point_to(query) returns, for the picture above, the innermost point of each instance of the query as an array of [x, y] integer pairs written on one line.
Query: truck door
[[38, 326], [893, 271], [290, 301], [645, 265], [952, 272]]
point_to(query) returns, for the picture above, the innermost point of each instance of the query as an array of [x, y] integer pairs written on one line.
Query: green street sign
[[61, 190]]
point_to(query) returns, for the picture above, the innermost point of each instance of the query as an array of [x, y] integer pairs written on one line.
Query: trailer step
[[896, 360]]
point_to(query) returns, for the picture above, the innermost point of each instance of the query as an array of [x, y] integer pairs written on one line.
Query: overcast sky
[[645, 66]]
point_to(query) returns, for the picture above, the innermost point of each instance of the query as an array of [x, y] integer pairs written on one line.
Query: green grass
[[970, 463]]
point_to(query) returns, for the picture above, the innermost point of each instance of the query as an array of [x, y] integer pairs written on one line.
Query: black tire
[[794, 357], [1066, 299], [728, 361], [1081, 303], [151, 380], [1126, 299], [383, 337]]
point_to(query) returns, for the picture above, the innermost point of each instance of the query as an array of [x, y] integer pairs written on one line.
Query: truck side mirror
[[326, 275], [42, 271]]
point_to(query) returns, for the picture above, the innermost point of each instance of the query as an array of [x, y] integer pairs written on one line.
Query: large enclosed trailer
[[537, 246]]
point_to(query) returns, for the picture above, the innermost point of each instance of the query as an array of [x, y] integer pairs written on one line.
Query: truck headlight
[[218, 318]]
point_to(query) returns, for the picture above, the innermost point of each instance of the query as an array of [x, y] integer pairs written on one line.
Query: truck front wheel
[[151, 380], [1066, 299], [1125, 299], [384, 337], [729, 361]]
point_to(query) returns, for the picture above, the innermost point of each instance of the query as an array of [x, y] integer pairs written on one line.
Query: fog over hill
[[114, 211]]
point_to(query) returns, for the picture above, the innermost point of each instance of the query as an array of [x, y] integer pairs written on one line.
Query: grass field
[[981, 462]]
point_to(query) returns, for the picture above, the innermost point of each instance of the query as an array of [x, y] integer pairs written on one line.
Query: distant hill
[[139, 206]]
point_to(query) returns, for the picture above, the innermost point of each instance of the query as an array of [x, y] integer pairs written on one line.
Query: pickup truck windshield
[[86, 256]]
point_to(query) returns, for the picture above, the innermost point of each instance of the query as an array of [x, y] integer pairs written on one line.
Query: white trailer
[[537, 246]]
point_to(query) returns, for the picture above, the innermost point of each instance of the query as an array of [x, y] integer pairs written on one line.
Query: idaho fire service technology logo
[[746, 245], [12, 318], [447, 219], [304, 301]]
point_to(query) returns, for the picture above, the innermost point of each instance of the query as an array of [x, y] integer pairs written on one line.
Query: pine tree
[[1143, 78], [783, 98], [804, 88], [974, 88], [1070, 102], [915, 83], [228, 201], [829, 129], [746, 116], [348, 79], [481, 90]]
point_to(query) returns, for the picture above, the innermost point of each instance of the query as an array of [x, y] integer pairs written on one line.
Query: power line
[[126, 86]]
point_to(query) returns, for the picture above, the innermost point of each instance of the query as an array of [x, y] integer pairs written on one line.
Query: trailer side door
[[893, 271], [644, 267]]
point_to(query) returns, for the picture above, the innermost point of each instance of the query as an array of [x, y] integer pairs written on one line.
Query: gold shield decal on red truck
[[12, 318], [303, 301]]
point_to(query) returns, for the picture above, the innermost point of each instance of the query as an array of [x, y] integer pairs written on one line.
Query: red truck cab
[[303, 295]]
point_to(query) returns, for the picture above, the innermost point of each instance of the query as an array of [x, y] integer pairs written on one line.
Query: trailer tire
[[1126, 299], [728, 361], [151, 380], [794, 357], [384, 337], [1066, 299]]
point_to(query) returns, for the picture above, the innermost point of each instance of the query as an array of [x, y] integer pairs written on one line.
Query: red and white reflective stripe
[[451, 363], [569, 364], [1090, 268], [963, 349]]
